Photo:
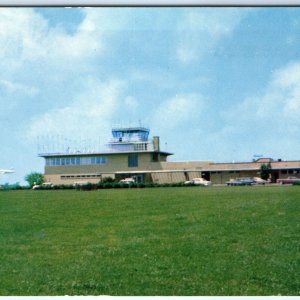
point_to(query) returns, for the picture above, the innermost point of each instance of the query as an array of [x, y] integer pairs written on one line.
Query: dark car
[[240, 181], [289, 180]]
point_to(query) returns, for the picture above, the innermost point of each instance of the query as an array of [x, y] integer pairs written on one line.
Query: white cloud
[[282, 97], [269, 121], [89, 114], [178, 110], [26, 37], [131, 103], [12, 87], [201, 30]]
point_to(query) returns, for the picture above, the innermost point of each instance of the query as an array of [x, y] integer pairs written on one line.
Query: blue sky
[[218, 84]]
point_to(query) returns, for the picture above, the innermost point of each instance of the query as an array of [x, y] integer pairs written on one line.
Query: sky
[[219, 84]]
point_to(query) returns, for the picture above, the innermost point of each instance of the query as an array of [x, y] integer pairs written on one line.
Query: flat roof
[[139, 128]]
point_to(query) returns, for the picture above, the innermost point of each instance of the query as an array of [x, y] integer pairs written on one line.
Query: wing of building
[[131, 153]]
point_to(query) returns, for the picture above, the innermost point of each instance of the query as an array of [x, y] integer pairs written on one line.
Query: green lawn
[[159, 241]]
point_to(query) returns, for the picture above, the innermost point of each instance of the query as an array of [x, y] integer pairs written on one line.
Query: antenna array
[[61, 144]]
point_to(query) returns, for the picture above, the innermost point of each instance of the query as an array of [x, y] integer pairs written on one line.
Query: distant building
[[130, 153]]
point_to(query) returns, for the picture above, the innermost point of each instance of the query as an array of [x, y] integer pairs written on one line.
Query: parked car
[[127, 180], [289, 180], [259, 180], [198, 181], [240, 181]]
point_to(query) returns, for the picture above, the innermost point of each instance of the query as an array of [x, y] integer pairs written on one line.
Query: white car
[[127, 180], [199, 181], [258, 180]]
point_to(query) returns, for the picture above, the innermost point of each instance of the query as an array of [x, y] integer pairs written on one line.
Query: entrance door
[[138, 178], [275, 175], [206, 175]]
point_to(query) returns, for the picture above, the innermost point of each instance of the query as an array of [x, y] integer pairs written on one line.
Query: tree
[[34, 178], [265, 171]]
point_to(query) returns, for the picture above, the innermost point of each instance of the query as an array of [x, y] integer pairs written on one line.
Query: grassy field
[[160, 241]]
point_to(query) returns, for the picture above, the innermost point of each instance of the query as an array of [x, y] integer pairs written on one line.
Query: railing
[[110, 148]]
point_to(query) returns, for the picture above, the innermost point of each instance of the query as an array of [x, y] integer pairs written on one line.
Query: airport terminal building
[[131, 153]]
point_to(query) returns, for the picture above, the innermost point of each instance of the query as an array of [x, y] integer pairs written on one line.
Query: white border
[[149, 3]]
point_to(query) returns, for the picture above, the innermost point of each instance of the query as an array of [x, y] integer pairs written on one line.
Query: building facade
[[131, 153]]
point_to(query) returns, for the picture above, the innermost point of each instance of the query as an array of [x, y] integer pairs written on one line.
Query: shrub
[[85, 187], [141, 185], [107, 185], [99, 185], [133, 185], [124, 185], [165, 185], [149, 185], [107, 180], [115, 185]]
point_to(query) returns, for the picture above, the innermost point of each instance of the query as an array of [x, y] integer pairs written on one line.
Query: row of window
[[80, 176], [290, 171], [76, 161], [140, 147], [87, 160]]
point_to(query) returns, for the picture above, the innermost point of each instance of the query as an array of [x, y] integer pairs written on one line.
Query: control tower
[[132, 139]]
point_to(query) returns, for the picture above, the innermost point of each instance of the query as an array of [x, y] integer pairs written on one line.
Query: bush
[[149, 185], [15, 186], [99, 185], [85, 187], [115, 185], [124, 185], [107, 185], [141, 185], [177, 184], [107, 180], [165, 184], [133, 185]]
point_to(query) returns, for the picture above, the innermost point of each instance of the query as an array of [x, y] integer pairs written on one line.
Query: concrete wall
[[179, 171], [222, 177], [56, 179], [116, 162], [185, 165], [168, 177]]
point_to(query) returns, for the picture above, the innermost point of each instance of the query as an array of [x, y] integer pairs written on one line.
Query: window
[[80, 176], [140, 147], [155, 157], [76, 161], [132, 160]]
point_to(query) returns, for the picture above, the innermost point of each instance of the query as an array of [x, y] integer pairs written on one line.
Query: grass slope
[[163, 241]]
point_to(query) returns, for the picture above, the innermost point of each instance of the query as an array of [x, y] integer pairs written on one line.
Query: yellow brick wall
[[116, 162]]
